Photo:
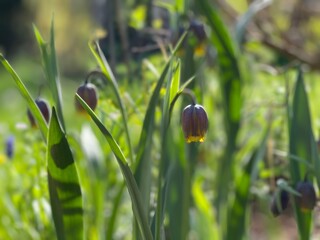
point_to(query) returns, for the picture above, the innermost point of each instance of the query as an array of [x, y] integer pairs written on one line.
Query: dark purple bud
[[44, 109], [307, 200], [279, 202], [198, 30], [194, 123], [88, 93]]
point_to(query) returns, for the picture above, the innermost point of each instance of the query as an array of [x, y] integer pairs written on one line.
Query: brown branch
[[287, 48]]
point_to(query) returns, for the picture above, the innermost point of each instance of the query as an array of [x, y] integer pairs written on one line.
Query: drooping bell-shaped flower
[[279, 202], [307, 200], [194, 121], [88, 93], [44, 109]]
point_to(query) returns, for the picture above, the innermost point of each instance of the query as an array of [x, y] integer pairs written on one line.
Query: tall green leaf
[[109, 76], [301, 145], [49, 60], [163, 161], [64, 187], [175, 84], [180, 6], [136, 200], [230, 79], [205, 220], [178, 184], [238, 210], [142, 168]]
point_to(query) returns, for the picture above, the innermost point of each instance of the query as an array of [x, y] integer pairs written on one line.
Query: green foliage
[[63, 184], [125, 170], [302, 144], [49, 60], [128, 176], [231, 81], [24, 92], [238, 210]]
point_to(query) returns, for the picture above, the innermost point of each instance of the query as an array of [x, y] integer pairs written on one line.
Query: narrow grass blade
[[300, 131], [96, 178], [64, 187], [49, 61], [177, 194], [142, 167], [238, 210], [282, 184], [231, 78], [164, 161], [301, 145], [26, 95], [205, 220], [115, 209], [138, 208], [175, 84], [179, 92], [255, 7], [180, 6], [106, 70], [230, 72]]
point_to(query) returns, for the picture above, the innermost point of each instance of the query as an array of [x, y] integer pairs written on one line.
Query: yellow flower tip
[[200, 50], [3, 158], [190, 139], [83, 113], [194, 122], [305, 210]]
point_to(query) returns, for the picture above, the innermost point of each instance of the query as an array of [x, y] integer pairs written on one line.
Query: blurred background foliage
[[134, 35]]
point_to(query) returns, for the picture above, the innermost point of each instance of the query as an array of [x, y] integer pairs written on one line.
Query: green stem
[[99, 74], [159, 210], [190, 94], [115, 209]]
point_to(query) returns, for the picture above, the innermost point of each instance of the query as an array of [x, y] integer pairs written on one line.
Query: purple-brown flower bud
[[307, 200], [44, 109], [194, 123], [88, 93], [279, 202], [197, 28]]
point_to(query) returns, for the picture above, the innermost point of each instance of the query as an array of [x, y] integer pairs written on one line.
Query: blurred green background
[[134, 35]]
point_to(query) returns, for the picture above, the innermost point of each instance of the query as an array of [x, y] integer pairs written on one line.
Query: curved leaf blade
[[26, 95], [238, 210], [49, 62], [137, 206], [64, 186], [231, 76], [301, 144]]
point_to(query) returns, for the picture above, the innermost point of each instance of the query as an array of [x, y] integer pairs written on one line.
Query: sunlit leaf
[[302, 145], [142, 168], [136, 200], [49, 60], [64, 187], [26, 95], [231, 79], [109, 76], [238, 210], [206, 219]]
